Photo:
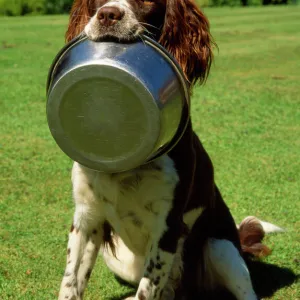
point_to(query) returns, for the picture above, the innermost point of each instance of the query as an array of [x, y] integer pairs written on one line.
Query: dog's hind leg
[[229, 268]]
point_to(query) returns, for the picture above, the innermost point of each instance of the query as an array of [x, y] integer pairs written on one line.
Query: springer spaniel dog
[[164, 225]]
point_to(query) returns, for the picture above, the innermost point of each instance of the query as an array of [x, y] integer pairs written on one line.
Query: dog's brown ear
[[187, 37], [80, 14]]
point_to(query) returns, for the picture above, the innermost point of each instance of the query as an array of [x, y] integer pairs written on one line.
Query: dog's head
[[178, 25]]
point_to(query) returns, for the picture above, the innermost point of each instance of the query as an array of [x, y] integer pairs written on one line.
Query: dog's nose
[[109, 15]]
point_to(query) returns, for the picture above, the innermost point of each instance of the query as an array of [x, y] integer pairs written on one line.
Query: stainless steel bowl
[[115, 106]]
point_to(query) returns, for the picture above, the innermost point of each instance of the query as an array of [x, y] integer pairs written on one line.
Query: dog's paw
[[70, 294], [72, 297]]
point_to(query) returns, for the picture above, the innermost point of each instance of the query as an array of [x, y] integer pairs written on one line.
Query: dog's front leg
[[84, 242], [158, 265]]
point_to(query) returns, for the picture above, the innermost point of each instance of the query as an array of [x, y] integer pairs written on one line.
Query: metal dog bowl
[[112, 106]]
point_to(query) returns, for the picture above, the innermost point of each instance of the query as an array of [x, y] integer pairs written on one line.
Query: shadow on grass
[[127, 294], [123, 297], [266, 278]]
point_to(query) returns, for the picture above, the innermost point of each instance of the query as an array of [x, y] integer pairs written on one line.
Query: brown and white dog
[[163, 226]]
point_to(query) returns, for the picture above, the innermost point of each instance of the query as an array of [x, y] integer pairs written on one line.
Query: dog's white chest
[[135, 203], [130, 219]]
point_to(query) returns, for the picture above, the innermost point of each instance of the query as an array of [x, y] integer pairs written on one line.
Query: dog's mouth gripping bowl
[[113, 107]]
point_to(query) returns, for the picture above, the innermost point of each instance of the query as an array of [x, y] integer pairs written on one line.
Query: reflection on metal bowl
[[113, 106]]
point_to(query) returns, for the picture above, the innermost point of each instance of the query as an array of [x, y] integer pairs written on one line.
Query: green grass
[[247, 115]]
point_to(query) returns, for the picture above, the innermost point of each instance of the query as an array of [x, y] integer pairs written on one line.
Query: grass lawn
[[247, 115]]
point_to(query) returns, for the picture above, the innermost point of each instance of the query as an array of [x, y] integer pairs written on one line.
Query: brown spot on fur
[[150, 266], [157, 280], [131, 182], [69, 251], [90, 186], [258, 250], [72, 228], [149, 207], [150, 166], [107, 237], [88, 274], [156, 167], [95, 231], [135, 220], [106, 200], [69, 261], [68, 284], [141, 295]]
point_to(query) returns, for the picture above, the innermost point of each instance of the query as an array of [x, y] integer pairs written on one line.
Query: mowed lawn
[[247, 115]]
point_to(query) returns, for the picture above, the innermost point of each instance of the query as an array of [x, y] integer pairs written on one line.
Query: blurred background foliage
[[38, 7], [24, 7]]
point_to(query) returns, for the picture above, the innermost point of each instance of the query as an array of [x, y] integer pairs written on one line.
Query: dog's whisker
[[147, 24], [141, 38], [147, 31]]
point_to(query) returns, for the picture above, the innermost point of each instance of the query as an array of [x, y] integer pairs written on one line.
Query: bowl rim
[[82, 37], [185, 117]]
